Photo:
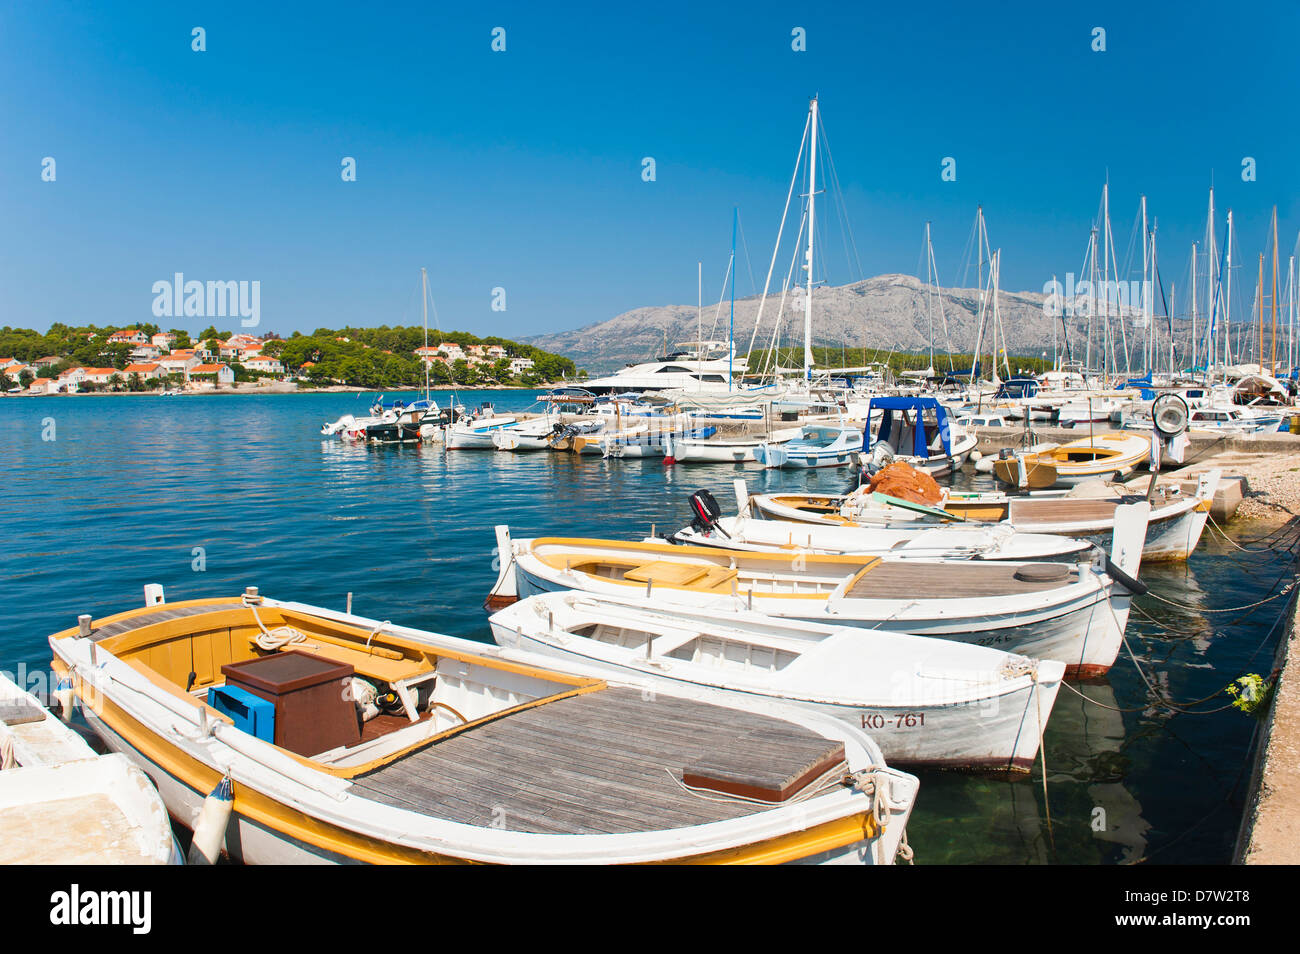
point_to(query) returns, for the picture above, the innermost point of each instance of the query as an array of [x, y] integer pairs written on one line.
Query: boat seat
[[372, 665], [666, 573], [1026, 512]]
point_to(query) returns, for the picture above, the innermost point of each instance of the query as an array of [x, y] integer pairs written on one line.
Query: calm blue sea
[[209, 494]]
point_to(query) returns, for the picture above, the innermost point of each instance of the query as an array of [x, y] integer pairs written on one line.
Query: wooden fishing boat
[[1074, 614], [346, 739], [62, 803], [1173, 531], [819, 445], [1105, 457], [915, 541], [929, 702]]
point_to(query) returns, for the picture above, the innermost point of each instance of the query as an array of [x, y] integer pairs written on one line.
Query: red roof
[[206, 368], [141, 368]]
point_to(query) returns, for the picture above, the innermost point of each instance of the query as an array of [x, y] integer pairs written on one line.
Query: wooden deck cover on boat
[[1026, 512], [900, 579], [161, 615], [606, 761]]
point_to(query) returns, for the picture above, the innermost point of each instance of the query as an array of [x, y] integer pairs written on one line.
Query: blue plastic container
[[250, 713]]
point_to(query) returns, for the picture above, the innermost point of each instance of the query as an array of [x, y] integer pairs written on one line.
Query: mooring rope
[[1229, 609], [1271, 548]]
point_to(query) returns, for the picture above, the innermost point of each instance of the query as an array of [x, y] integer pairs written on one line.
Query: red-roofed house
[[219, 373], [128, 336], [147, 370], [49, 362], [43, 386], [163, 340], [100, 375]]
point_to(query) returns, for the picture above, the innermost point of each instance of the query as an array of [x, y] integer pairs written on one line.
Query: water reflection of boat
[[1086, 745]]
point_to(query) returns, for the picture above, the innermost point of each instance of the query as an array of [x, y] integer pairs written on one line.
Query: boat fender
[[363, 695], [1132, 584], [210, 828], [63, 696]]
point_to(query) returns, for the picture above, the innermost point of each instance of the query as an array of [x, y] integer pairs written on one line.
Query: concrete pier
[[1270, 827]]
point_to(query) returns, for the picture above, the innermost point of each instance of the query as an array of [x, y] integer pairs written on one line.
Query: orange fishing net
[[905, 482]]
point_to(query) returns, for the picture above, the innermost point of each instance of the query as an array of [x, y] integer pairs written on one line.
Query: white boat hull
[[999, 732]]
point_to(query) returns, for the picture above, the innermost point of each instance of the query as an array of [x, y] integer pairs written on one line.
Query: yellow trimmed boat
[[1104, 457], [346, 739]]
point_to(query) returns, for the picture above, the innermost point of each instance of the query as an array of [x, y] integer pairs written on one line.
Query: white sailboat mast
[[1227, 302], [812, 220], [424, 304], [1193, 305]]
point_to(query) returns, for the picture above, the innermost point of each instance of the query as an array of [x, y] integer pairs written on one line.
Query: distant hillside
[[886, 313]]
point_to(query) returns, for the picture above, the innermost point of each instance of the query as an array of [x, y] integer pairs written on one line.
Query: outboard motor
[[706, 511], [881, 456]]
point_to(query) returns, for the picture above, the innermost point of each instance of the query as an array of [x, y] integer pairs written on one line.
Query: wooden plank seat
[[605, 761], [1061, 510], [972, 578]]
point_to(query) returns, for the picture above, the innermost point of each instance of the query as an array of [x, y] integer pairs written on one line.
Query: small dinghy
[[61, 803], [1105, 456], [1074, 614], [820, 445], [928, 703], [338, 738]]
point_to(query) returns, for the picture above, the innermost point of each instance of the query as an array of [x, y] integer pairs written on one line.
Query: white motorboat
[[476, 433], [727, 450], [820, 445]]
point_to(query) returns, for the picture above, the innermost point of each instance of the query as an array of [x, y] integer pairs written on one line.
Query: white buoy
[[63, 696], [975, 456], [210, 829], [153, 594]]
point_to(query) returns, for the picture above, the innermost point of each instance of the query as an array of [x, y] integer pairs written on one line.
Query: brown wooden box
[[313, 711]]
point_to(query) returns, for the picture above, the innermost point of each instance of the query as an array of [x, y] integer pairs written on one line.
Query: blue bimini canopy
[[921, 408]]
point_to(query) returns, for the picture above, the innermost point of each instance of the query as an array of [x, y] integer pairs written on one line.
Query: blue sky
[[522, 169]]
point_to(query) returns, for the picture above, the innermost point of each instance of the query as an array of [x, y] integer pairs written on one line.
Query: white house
[[178, 364], [520, 365], [264, 363]]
